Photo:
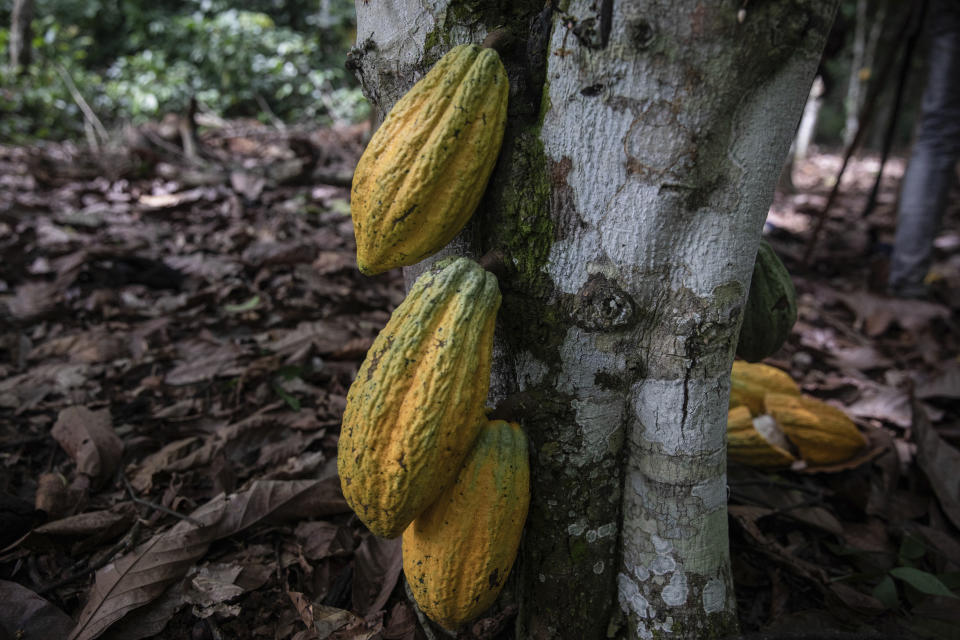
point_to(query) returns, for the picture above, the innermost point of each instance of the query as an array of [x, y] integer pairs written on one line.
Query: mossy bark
[[643, 143]]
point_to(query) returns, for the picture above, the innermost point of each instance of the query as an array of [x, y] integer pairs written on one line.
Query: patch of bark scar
[[686, 396]]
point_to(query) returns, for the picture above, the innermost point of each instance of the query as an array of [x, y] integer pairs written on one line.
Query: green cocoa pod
[[771, 309]]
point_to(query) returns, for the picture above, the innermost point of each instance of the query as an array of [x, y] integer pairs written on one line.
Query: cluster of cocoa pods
[[771, 424], [417, 455]]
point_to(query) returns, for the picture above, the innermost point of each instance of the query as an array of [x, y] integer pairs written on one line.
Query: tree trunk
[[800, 146], [643, 143], [808, 122], [20, 35], [861, 65]]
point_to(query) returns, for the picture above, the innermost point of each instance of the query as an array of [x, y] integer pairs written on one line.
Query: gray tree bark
[[643, 143], [20, 33]]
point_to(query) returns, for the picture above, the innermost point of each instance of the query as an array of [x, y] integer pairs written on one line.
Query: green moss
[[728, 296], [578, 549], [520, 225], [545, 104], [433, 39], [527, 198]]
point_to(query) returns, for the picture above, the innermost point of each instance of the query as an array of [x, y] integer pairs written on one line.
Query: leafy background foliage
[[134, 60]]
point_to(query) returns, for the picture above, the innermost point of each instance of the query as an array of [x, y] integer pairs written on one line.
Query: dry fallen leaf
[[33, 299], [26, 615], [247, 184], [326, 336], [327, 620], [877, 313], [860, 358], [209, 589], [321, 540], [171, 200], [207, 364], [88, 437], [89, 523], [402, 624], [883, 403], [141, 576], [939, 461], [52, 495], [25, 391], [90, 346], [262, 254], [159, 461], [945, 384], [377, 567], [857, 600]]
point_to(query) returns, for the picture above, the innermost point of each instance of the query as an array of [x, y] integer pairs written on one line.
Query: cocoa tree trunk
[[643, 143]]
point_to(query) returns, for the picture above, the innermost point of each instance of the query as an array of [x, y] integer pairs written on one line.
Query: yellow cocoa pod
[[749, 382], [422, 175], [821, 433], [416, 406], [738, 419], [458, 553], [746, 445]]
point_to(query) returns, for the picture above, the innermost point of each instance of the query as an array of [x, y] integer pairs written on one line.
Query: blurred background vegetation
[[283, 60], [135, 60]]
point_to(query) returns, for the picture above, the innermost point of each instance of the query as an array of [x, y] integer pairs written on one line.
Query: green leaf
[[911, 548], [922, 581], [290, 372], [950, 579], [289, 399], [341, 206], [248, 305], [886, 592]]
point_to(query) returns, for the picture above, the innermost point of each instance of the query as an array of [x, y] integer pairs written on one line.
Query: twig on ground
[[79, 570], [154, 505]]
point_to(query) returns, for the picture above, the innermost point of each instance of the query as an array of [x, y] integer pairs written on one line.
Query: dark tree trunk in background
[[20, 33]]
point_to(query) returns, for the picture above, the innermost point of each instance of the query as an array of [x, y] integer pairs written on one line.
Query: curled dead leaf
[[88, 437]]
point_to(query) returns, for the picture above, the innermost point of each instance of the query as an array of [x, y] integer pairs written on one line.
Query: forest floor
[[176, 343]]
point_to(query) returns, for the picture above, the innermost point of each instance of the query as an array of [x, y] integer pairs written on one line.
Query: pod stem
[[495, 262], [500, 40]]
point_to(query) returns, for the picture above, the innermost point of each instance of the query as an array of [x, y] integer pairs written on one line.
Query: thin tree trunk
[[808, 123], [856, 80], [801, 142], [20, 33], [873, 40], [643, 143], [866, 37]]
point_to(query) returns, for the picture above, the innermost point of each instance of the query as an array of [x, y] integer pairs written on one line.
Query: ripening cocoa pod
[[426, 167], [458, 553], [416, 406]]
